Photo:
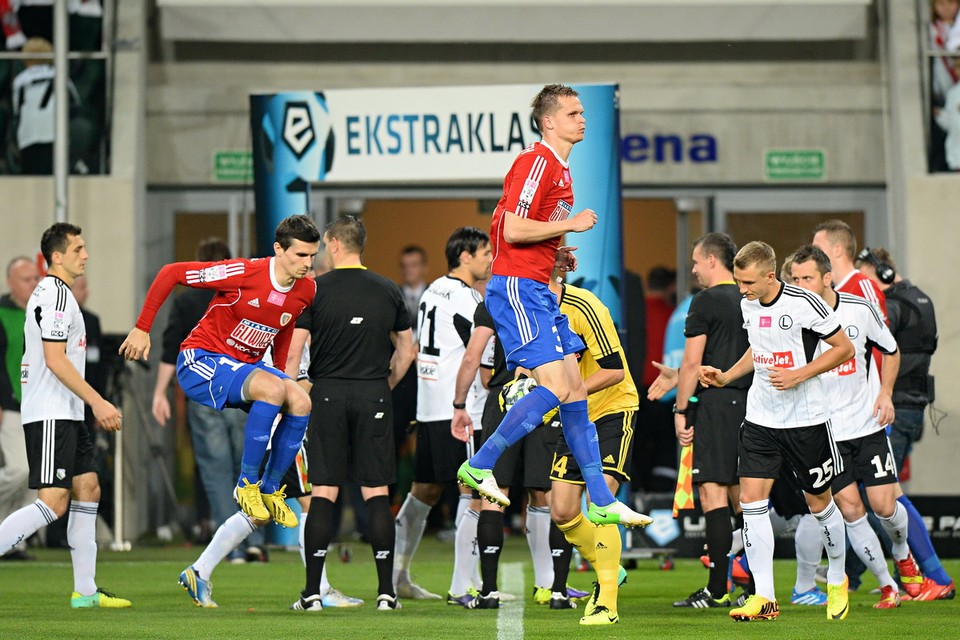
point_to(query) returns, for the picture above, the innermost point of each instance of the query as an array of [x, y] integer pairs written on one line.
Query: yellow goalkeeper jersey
[[591, 320]]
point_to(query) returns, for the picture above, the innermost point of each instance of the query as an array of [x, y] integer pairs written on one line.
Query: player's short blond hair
[[547, 102], [756, 253]]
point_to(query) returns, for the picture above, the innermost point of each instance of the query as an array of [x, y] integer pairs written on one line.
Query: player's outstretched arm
[[831, 358], [713, 377], [666, 381], [136, 346]]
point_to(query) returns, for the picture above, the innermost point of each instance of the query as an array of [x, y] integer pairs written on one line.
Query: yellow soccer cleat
[[838, 600], [276, 504], [250, 501], [99, 600], [599, 615], [756, 608]]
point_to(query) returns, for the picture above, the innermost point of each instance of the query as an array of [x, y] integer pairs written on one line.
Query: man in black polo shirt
[[361, 346], [716, 337]]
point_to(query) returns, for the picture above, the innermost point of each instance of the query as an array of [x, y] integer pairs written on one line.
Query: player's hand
[[461, 426], [684, 431], [712, 377], [883, 409], [161, 409], [666, 381], [136, 346], [783, 379], [583, 221], [565, 260], [107, 415]]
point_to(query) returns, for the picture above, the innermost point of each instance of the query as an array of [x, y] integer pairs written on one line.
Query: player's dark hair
[[756, 253], [661, 278], [547, 102], [414, 248], [839, 232], [809, 252], [213, 249], [292, 228], [349, 230], [57, 238], [468, 239], [720, 246]]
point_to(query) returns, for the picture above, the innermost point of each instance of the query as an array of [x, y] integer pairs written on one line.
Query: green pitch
[[34, 603]]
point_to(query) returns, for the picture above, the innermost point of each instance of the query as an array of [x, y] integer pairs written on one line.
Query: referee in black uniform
[[716, 337], [361, 346]]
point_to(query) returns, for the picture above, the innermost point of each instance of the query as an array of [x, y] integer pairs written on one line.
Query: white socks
[[809, 551], [896, 527], [82, 538], [230, 534], [866, 545], [834, 537], [758, 542], [465, 556], [410, 523], [538, 538], [23, 523]]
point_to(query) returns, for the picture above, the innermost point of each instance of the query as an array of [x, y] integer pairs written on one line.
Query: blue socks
[[522, 418], [256, 435], [581, 437], [286, 442], [920, 545]]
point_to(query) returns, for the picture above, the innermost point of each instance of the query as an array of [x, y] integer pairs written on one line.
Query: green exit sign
[[795, 164], [232, 166]]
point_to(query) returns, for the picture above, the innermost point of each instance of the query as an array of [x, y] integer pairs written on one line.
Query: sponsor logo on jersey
[[356, 320], [276, 298], [562, 212], [785, 322], [529, 189], [782, 359], [255, 303], [566, 176], [378, 415], [766, 322], [852, 331], [427, 369], [253, 334], [848, 368], [285, 318]]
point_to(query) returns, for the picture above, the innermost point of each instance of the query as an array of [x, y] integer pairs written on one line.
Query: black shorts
[[807, 451], [58, 450], [530, 457], [717, 421], [615, 431], [438, 454], [868, 460], [350, 437]]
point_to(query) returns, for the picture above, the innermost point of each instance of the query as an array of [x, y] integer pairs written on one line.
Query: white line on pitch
[[510, 615]]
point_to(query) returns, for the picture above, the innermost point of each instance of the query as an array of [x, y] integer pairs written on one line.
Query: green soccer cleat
[[99, 600], [250, 501], [838, 600], [276, 504], [617, 513], [483, 482]]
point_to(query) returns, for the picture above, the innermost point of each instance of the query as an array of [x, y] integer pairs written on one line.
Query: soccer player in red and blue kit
[[256, 304], [531, 217]]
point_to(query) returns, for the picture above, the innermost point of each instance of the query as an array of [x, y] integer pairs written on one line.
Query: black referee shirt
[[716, 313], [350, 322]]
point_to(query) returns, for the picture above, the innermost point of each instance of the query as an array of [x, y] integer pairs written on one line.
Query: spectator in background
[[413, 270], [217, 436], [948, 119], [33, 105], [656, 442], [943, 74], [12, 33], [22, 279]]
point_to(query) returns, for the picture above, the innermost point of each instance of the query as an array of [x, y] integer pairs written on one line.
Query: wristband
[[459, 405]]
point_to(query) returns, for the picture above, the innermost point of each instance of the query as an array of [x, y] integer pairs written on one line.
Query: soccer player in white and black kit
[[360, 347], [787, 420], [59, 445], [445, 322], [861, 403]]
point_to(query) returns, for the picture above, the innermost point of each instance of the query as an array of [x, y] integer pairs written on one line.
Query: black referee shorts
[[716, 429], [350, 436], [58, 450], [807, 451], [439, 455]]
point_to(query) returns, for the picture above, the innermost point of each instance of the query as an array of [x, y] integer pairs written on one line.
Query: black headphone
[[885, 272]]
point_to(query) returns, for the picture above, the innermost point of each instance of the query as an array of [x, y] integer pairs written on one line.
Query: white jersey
[[786, 333], [53, 315], [33, 102], [852, 387], [477, 398], [445, 321]]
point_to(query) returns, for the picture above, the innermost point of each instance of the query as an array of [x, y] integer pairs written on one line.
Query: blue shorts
[[216, 380], [529, 323]]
